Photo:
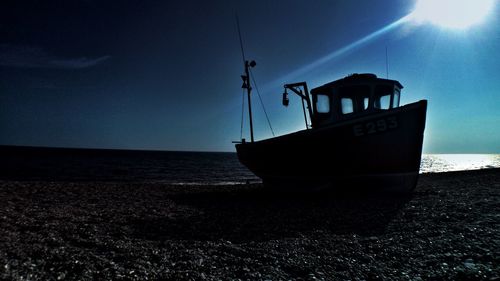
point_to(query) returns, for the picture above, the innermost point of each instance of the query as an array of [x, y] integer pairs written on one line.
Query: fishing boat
[[357, 136]]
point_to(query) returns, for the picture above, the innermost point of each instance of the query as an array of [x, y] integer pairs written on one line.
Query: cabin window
[[384, 102], [322, 103], [353, 96], [395, 99], [382, 98], [347, 105]]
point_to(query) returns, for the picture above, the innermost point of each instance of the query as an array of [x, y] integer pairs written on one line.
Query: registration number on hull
[[375, 126]]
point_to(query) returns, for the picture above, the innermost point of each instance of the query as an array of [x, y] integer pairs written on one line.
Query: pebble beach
[[447, 229]]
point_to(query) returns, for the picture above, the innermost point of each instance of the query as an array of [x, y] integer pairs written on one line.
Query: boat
[[357, 136]]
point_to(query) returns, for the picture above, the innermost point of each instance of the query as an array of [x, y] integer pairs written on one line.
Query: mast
[[246, 78], [246, 84]]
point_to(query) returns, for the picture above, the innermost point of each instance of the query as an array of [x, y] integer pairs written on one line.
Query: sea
[[169, 167]]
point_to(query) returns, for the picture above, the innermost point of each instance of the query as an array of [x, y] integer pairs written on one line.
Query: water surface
[[182, 168]]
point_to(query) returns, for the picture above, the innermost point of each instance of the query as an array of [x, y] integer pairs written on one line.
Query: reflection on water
[[434, 163]]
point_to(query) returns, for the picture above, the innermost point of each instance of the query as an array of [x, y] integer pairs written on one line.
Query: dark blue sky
[[165, 74]]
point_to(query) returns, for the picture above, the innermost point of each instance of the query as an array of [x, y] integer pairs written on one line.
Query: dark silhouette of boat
[[358, 137]]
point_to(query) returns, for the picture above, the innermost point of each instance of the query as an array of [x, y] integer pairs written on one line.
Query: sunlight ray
[[342, 51]]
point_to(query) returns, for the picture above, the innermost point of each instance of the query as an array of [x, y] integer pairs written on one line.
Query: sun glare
[[452, 14]]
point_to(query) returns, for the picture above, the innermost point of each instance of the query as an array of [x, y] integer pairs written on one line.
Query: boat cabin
[[352, 97]]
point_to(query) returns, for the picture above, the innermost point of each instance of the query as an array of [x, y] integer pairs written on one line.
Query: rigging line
[[241, 40], [261, 103], [242, 112]]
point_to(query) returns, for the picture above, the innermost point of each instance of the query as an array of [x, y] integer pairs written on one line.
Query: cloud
[[78, 62], [35, 57]]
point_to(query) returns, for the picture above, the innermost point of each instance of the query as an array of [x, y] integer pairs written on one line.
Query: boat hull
[[378, 151]]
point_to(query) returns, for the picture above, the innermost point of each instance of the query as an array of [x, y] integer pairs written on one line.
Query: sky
[[165, 75]]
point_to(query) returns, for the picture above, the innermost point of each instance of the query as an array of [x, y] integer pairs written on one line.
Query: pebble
[[230, 236], [469, 263]]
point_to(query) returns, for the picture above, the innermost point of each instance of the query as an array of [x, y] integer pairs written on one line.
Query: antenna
[[386, 63]]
